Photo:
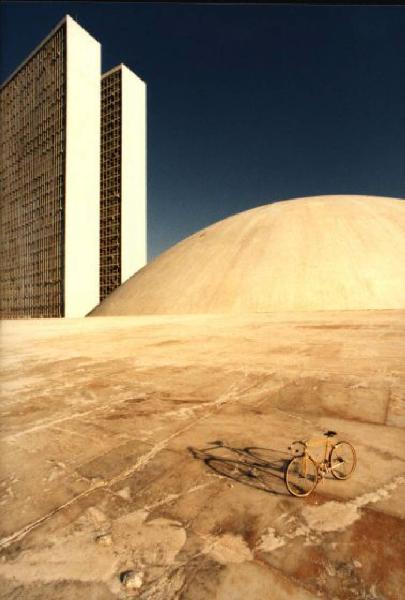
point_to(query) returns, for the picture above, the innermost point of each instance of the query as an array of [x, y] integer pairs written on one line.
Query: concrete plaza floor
[[144, 457]]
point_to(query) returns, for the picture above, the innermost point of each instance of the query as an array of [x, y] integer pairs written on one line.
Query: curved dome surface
[[315, 253]]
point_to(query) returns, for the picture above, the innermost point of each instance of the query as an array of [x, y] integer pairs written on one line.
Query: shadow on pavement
[[261, 468]]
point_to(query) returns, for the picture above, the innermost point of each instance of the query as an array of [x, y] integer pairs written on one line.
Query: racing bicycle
[[304, 472]]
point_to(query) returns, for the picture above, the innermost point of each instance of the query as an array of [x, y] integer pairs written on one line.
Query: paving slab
[[144, 457]]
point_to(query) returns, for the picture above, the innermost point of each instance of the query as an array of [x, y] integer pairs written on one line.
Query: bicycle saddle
[[330, 433]]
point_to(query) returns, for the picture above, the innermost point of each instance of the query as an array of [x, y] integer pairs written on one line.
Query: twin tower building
[[72, 177]]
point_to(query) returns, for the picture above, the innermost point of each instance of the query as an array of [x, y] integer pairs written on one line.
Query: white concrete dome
[[315, 253]]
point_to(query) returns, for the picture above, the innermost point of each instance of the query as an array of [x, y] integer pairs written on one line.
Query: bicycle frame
[[323, 465], [320, 442]]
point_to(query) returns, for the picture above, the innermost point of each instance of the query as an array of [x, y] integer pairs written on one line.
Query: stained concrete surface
[[143, 457]]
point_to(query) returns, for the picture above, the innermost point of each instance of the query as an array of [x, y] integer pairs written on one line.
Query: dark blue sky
[[247, 104]]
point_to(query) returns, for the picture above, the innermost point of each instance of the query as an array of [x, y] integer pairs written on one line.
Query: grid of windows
[[32, 159], [110, 188]]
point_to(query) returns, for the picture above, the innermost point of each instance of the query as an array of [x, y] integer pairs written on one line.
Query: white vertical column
[[82, 188], [133, 174]]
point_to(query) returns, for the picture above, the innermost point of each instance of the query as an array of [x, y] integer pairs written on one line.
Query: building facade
[[53, 136], [32, 179], [123, 178]]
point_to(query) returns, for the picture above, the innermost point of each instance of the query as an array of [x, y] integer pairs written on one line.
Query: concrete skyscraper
[[54, 132], [123, 178]]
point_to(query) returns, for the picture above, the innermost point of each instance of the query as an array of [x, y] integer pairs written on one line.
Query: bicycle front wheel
[[301, 476], [342, 460]]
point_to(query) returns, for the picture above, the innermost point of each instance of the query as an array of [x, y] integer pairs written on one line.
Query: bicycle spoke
[[301, 476], [342, 460]]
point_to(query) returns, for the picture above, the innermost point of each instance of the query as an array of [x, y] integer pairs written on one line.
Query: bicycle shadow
[[260, 468]]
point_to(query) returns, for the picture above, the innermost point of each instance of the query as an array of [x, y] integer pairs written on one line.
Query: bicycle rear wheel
[[301, 476], [342, 460]]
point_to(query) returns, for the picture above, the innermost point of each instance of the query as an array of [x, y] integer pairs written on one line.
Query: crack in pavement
[[139, 464], [328, 517], [48, 424]]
